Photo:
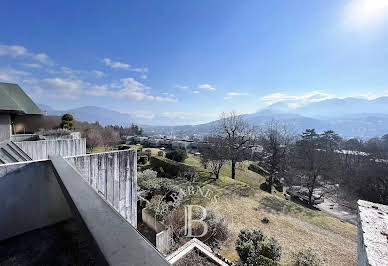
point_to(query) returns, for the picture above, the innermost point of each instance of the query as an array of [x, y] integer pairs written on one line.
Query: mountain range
[[350, 117]]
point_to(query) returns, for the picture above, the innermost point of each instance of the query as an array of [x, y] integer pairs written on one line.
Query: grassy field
[[293, 225]]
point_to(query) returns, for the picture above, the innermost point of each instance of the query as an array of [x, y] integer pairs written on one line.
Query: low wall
[[72, 135], [42, 149], [30, 198], [24, 137], [164, 240], [113, 175]]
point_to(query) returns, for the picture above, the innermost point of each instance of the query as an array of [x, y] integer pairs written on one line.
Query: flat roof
[[13, 99]]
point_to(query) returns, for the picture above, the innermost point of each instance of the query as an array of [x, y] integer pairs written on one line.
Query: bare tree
[[213, 154], [110, 137], [315, 157], [93, 138], [237, 135], [275, 141]]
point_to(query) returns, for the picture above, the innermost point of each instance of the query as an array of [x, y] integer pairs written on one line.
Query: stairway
[[11, 153]]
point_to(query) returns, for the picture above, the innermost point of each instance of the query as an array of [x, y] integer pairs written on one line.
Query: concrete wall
[[72, 135], [164, 241], [372, 234], [40, 150], [30, 198], [113, 175], [24, 137], [5, 127]]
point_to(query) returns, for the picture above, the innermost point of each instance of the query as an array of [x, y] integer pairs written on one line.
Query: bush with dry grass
[[306, 257], [254, 248]]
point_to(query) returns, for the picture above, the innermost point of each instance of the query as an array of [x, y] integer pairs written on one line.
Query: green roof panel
[[14, 99]]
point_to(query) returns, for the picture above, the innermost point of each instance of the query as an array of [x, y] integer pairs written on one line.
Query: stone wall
[[113, 175], [42, 149], [30, 198]]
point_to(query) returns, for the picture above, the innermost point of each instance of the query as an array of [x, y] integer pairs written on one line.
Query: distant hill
[[350, 117], [92, 114], [336, 107]]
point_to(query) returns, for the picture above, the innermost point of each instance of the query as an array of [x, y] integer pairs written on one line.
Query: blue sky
[[187, 61]]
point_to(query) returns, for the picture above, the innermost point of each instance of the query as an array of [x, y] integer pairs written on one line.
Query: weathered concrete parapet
[[42, 149], [113, 175], [372, 234]]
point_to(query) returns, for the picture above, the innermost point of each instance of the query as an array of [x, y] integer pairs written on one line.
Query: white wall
[[42, 149], [114, 176]]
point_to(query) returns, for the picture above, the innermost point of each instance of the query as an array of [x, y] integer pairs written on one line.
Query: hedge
[[168, 168]]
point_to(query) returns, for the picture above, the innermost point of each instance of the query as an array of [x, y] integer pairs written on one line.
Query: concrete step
[[11, 153], [24, 156]]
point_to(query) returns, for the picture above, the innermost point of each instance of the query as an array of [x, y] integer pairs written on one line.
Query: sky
[[185, 62]]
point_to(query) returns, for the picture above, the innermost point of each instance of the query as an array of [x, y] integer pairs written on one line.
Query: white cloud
[[207, 87], [43, 58], [32, 65], [98, 90], [120, 65], [13, 50], [296, 100], [168, 94], [182, 87], [115, 64], [133, 89], [99, 74], [63, 88], [11, 75], [140, 69], [20, 51], [230, 95], [365, 14], [196, 92]]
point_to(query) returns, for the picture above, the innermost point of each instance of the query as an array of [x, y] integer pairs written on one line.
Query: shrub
[[160, 153], [188, 173], [123, 147], [168, 168], [142, 159], [254, 248], [147, 152], [148, 180], [177, 155], [67, 122], [147, 174], [265, 220], [159, 208], [306, 257]]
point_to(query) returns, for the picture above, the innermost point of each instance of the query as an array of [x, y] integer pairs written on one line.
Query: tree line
[[347, 168], [107, 136]]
